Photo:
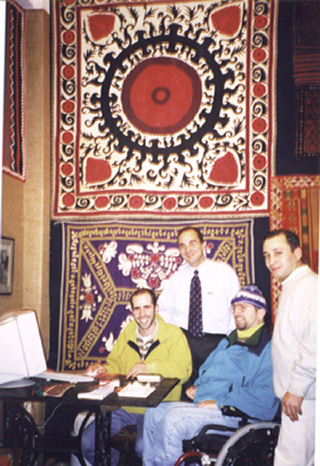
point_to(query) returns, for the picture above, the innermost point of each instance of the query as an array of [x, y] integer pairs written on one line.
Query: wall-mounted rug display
[[103, 263], [295, 206], [13, 161], [163, 109], [307, 77]]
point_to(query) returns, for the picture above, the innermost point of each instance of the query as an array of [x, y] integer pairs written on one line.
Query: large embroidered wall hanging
[[163, 109], [103, 263]]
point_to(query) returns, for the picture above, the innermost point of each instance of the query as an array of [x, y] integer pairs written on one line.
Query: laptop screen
[[21, 349]]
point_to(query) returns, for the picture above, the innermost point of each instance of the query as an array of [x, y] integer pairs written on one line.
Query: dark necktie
[[195, 310]]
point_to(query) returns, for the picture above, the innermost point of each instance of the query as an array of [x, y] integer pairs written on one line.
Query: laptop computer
[[22, 354]]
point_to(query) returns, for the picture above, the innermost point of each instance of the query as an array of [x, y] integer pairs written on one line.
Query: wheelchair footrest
[[210, 443]]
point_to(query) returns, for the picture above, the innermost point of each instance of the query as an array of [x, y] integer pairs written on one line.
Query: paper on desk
[[97, 394], [137, 390]]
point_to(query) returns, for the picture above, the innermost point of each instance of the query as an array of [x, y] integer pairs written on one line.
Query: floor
[[129, 460], [126, 459]]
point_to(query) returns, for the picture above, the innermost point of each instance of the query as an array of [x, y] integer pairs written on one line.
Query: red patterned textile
[[14, 128], [163, 109], [308, 118], [295, 207], [307, 77]]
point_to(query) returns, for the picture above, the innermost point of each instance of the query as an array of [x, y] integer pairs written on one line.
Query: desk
[[20, 429]]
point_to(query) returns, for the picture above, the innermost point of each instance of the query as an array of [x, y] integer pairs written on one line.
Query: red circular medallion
[[67, 137], [259, 125], [259, 55], [161, 95], [205, 202], [68, 200], [68, 37], [259, 162], [66, 169], [101, 202], [261, 22], [257, 198], [170, 203], [68, 106], [136, 202], [68, 72], [259, 90]]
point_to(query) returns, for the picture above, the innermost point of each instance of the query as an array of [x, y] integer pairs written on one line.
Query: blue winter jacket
[[240, 375]]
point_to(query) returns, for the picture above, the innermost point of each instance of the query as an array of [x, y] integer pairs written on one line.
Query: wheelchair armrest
[[232, 411], [207, 427]]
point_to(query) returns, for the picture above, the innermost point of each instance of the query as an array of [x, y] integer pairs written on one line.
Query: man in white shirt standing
[[218, 285], [294, 347]]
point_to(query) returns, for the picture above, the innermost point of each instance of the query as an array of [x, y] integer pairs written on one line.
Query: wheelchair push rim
[[251, 445]]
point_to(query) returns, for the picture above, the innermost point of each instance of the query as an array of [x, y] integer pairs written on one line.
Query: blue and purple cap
[[251, 294]]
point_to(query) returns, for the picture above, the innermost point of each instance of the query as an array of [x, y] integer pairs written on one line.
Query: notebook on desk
[[22, 354]]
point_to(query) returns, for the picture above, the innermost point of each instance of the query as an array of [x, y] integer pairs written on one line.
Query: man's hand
[[191, 391], [139, 368], [210, 404], [96, 370], [291, 406]]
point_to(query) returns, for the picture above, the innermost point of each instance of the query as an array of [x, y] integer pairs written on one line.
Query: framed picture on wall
[[6, 265]]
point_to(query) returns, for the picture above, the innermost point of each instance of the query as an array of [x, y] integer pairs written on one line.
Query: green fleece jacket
[[168, 356]]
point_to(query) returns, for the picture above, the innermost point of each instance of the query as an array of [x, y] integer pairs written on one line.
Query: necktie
[[195, 309]]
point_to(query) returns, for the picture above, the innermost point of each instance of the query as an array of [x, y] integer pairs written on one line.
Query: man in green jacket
[[147, 345]]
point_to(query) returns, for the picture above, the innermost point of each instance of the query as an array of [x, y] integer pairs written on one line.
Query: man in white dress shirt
[[294, 348], [219, 284]]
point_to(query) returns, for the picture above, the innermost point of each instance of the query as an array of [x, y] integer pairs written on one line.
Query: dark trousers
[[200, 348]]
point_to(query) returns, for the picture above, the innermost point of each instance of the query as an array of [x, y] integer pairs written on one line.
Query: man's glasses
[[242, 307]]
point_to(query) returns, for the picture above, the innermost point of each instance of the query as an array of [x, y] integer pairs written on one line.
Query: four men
[[294, 348], [237, 372]]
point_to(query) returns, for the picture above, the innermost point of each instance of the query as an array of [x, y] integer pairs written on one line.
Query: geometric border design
[[278, 186]]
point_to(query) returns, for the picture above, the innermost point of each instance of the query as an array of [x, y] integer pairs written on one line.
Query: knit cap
[[251, 294]]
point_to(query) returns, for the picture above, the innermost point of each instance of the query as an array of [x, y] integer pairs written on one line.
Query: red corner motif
[[227, 20], [100, 25]]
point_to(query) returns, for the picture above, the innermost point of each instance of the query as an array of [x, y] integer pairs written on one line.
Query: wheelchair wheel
[[252, 445]]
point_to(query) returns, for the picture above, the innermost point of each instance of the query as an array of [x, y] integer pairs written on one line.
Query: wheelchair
[[251, 444]]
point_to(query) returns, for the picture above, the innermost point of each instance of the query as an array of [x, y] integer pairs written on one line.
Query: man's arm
[[256, 396], [167, 300], [304, 368], [208, 404], [304, 324]]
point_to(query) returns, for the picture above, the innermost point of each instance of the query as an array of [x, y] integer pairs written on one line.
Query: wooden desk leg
[[102, 455]]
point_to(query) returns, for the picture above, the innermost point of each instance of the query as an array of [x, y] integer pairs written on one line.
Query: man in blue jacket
[[237, 373]]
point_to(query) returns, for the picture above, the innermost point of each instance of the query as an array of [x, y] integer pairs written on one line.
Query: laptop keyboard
[[65, 377]]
